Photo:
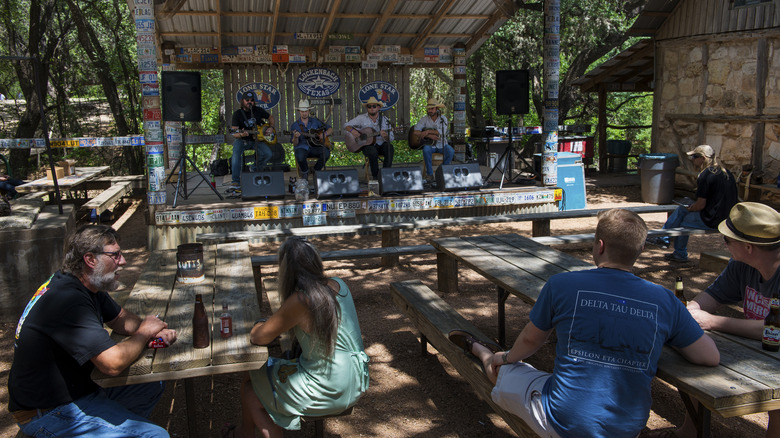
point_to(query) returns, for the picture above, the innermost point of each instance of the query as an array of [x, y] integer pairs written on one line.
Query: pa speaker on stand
[[512, 97], [181, 103]]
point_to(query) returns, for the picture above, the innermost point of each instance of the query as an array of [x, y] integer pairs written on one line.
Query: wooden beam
[[601, 129], [291, 34], [432, 24], [274, 22], [219, 28], [615, 62], [721, 118], [380, 24], [328, 14], [480, 34], [169, 9], [328, 24]]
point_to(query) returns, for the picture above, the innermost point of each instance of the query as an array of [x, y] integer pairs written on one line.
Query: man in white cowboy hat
[[716, 193], [752, 235], [309, 139], [431, 131], [373, 129], [246, 119]]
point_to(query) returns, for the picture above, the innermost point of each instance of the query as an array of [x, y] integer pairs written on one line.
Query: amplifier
[[458, 177], [257, 185], [337, 183], [400, 180]]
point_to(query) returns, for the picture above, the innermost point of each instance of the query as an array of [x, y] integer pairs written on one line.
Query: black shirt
[[60, 330], [250, 120], [720, 190]]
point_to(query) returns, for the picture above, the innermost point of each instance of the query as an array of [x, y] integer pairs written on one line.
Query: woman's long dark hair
[[300, 269]]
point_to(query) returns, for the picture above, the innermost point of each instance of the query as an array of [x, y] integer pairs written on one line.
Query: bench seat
[[435, 319], [108, 197]]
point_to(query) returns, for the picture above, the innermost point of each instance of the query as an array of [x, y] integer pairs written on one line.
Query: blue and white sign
[[384, 92], [267, 95], [318, 82]]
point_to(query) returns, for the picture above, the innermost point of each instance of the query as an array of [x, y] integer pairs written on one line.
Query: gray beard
[[103, 281]]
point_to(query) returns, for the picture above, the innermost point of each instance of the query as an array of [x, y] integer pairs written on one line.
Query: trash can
[[657, 177], [618, 147]]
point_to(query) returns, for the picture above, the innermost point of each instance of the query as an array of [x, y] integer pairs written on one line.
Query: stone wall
[[708, 93]]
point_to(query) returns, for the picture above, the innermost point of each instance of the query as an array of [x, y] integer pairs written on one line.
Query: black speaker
[[512, 91], [256, 185], [337, 183], [400, 180], [181, 96], [458, 177]]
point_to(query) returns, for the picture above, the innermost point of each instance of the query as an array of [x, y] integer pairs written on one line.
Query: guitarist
[[378, 145], [245, 119], [309, 136], [432, 132]]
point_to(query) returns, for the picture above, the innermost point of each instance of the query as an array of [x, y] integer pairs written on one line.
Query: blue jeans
[[687, 219], [9, 186], [111, 413], [320, 152], [428, 151], [262, 151]]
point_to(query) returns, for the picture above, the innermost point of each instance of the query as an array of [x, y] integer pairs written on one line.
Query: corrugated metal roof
[[630, 70], [410, 24]]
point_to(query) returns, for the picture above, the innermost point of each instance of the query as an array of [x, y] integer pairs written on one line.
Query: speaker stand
[[507, 157], [181, 164]]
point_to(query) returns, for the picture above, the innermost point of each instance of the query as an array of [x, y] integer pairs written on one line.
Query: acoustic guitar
[[266, 133], [314, 137], [416, 142], [367, 136]]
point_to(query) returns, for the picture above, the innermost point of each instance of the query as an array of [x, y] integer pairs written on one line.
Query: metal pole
[[45, 128], [552, 67]]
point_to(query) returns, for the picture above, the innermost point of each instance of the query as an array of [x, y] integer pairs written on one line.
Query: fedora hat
[[702, 149], [752, 222], [303, 105], [433, 103], [372, 100]]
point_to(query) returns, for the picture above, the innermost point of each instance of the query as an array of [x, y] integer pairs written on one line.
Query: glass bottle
[[200, 324], [678, 290], [771, 339], [225, 322]]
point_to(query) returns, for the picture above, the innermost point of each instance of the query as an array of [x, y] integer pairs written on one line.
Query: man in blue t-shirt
[[611, 326], [60, 339], [309, 136]]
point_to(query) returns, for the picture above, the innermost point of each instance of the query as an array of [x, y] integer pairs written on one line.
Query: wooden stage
[[203, 212]]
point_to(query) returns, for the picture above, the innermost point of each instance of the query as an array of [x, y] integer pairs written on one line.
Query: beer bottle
[[678, 290], [200, 324], [771, 338], [225, 322]]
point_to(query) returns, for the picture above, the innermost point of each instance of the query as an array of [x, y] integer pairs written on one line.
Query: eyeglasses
[[116, 255], [372, 106], [695, 156]]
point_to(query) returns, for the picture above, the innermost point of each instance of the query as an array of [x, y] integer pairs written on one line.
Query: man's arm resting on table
[[701, 309], [702, 352], [115, 359]]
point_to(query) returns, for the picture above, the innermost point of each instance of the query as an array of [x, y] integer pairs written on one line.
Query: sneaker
[[673, 258], [658, 241], [233, 184]]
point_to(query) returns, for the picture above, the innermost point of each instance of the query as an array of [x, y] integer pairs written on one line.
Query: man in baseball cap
[[253, 128], [751, 233]]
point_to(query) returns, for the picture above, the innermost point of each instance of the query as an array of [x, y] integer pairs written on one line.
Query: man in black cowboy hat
[[752, 277], [246, 119]]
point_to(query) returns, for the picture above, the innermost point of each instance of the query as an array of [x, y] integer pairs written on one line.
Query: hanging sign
[[384, 92], [268, 96], [318, 82]]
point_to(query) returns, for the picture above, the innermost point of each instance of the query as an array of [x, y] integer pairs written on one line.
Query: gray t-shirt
[[740, 282]]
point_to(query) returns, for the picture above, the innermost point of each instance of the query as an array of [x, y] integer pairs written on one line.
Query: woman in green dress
[[332, 371]]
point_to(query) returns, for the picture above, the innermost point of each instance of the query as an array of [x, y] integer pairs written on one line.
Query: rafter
[[432, 24], [274, 23], [380, 24], [328, 24], [169, 9], [480, 35]]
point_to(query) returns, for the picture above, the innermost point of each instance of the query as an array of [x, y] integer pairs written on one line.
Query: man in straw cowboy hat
[[309, 135], [716, 193], [752, 235], [381, 144], [432, 132]]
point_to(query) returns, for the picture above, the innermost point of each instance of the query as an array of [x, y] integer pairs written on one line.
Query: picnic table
[[228, 279], [70, 182], [745, 381]]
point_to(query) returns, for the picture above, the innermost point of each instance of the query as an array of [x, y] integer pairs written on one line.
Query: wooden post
[[390, 238], [602, 129], [540, 227], [447, 271]]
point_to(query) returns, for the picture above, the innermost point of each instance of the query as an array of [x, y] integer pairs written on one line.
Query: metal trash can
[[657, 177]]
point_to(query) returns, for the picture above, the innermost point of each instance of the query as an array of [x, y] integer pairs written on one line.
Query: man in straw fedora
[[752, 235], [303, 139], [382, 144], [432, 131]]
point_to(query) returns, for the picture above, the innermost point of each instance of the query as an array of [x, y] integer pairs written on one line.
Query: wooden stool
[[319, 426]]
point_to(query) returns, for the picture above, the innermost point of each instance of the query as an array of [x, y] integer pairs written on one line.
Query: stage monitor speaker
[[257, 185], [337, 183], [181, 96], [512, 95], [458, 177], [400, 180]]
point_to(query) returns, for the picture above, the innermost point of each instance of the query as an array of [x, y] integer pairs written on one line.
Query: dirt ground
[[411, 395]]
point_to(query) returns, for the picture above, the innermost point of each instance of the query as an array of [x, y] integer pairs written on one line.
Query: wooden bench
[[102, 183], [714, 261], [271, 288], [435, 319], [108, 198]]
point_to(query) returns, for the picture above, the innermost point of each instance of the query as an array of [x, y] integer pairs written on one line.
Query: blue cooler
[[571, 178]]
